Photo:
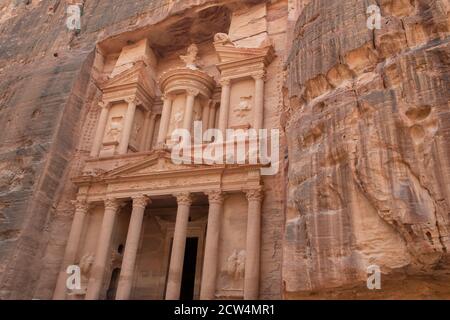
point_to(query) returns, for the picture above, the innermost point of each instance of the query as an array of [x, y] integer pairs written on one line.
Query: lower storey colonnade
[[210, 267]]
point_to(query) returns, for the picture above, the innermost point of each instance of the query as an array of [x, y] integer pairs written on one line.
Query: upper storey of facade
[[147, 95]]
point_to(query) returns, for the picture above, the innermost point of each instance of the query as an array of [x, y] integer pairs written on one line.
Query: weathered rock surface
[[366, 118], [367, 121]]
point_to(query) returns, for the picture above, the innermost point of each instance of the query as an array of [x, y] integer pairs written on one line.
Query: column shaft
[[252, 261], [131, 248], [71, 248], [128, 126], [100, 132], [224, 106], [104, 241], [209, 277], [151, 133], [189, 111], [178, 247], [143, 138], [259, 103], [165, 119], [205, 116], [212, 117]]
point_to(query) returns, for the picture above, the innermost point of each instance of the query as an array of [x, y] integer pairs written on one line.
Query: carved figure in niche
[[136, 130], [115, 129], [235, 269], [240, 265], [244, 106], [231, 263], [178, 118], [191, 57], [198, 113], [86, 263]]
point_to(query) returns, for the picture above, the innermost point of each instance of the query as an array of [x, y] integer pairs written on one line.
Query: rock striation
[[364, 115], [367, 125]]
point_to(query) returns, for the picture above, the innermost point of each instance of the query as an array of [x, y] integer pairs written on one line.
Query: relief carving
[[85, 264], [235, 270], [223, 39], [137, 128], [244, 107], [178, 119], [115, 129], [197, 113], [191, 57]]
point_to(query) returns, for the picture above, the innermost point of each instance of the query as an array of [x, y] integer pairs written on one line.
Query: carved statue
[[191, 57], [234, 272], [243, 107], [236, 265], [178, 117], [115, 129], [223, 39], [86, 263], [240, 265], [136, 130], [198, 114], [231, 263]]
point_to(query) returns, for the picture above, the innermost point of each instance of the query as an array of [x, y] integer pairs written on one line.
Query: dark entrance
[[189, 268], [113, 284]]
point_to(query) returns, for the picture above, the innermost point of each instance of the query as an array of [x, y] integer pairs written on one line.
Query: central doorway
[[189, 270]]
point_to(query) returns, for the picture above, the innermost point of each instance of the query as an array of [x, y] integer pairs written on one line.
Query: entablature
[[156, 175]]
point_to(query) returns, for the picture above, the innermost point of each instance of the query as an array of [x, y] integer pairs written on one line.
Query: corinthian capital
[[112, 204], [215, 196], [255, 194], [168, 97], [141, 201], [225, 82], [184, 198], [103, 104], [80, 205], [132, 100], [259, 75], [193, 92]]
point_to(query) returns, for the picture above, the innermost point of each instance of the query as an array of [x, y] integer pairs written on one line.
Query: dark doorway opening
[[113, 284], [189, 268]]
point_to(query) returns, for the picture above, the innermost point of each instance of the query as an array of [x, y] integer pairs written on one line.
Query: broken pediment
[[228, 52], [136, 78]]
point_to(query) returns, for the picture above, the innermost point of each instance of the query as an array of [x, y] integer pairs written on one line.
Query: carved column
[[252, 261], [81, 209], [143, 138], [100, 132], [209, 277], [151, 132], [165, 118], [178, 248], [224, 105], [128, 126], [212, 116], [205, 115], [131, 248], [259, 101], [104, 241], [189, 111]]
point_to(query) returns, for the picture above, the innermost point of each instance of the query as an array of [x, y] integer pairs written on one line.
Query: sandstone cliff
[[367, 118]]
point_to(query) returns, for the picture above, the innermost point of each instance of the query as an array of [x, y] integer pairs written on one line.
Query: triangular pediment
[[156, 163], [134, 76]]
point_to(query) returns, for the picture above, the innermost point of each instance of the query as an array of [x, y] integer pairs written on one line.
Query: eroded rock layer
[[368, 134], [365, 117]]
